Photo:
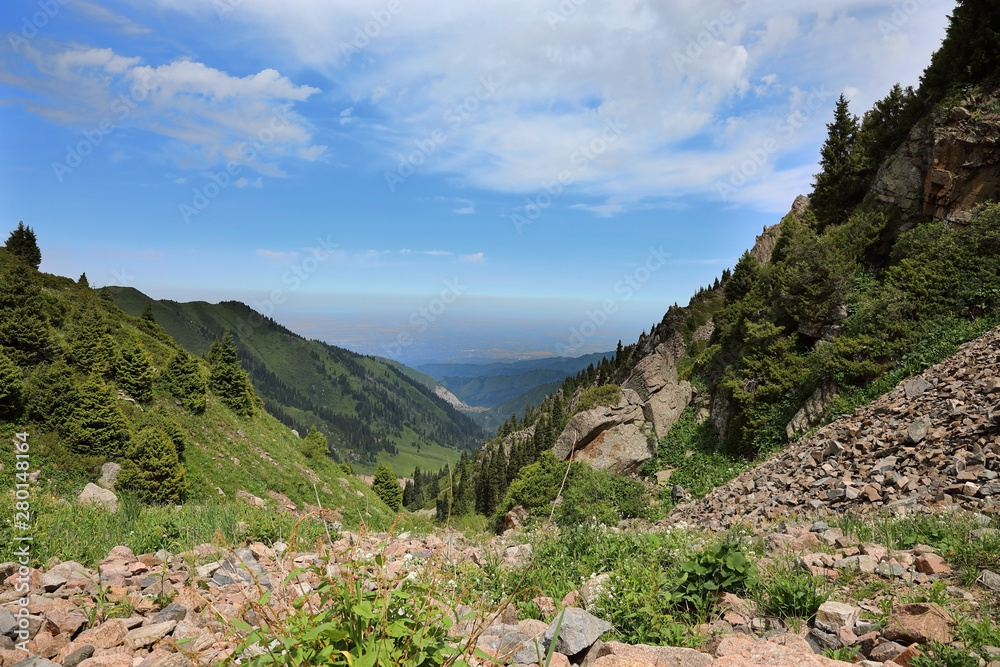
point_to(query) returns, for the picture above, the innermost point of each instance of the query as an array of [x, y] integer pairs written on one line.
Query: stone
[[8, 624], [578, 631], [109, 475], [172, 612], [147, 635], [762, 653], [920, 623], [93, 494], [34, 661], [109, 660], [821, 641], [106, 635], [78, 656], [656, 655], [518, 555], [832, 616], [886, 650], [917, 430], [51, 582], [931, 564], [990, 580], [916, 387], [592, 589], [514, 519], [608, 438]]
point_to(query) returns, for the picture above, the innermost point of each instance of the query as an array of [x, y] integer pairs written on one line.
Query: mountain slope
[[362, 405], [78, 396]]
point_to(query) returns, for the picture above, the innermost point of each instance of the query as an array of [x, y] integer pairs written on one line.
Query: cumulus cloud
[[207, 116]]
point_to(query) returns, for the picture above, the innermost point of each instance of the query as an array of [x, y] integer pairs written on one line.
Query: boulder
[[578, 630], [920, 623], [608, 438], [109, 475], [93, 494], [832, 616], [811, 413]]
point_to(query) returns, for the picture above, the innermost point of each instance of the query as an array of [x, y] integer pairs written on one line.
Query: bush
[[719, 568], [152, 471], [606, 395], [184, 380], [386, 487], [793, 594]]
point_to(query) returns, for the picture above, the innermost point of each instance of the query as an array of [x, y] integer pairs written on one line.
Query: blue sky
[[512, 169]]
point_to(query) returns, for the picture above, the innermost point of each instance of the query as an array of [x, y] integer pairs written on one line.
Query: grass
[[430, 457]]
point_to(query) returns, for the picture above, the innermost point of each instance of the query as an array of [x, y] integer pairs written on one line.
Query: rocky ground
[[173, 610], [932, 442]]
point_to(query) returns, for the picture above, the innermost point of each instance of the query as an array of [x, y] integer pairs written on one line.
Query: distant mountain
[[492, 384], [367, 407]]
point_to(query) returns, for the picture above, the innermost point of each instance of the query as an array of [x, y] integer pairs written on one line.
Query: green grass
[[407, 456]]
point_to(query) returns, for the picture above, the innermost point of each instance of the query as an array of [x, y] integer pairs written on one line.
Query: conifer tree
[[96, 426], [183, 379], [969, 54], [147, 312], [314, 445], [152, 470], [82, 281], [10, 387], [134, 371], [838, 187], [227, 379], [50, 394], [90, 341], [25, 332], [23, 244], [743, 278], [418, 487], [386, 487]]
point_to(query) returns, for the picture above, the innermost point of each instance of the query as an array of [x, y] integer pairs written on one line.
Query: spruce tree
[[96, 426], [50, 395], [25, 332], [152, 470], [969, 54], [314, 445], [227, 379], [743, 278], [386, 487], [147, 312], [82, 281], [183, 379], [22, 243], [418, 487], [134, 371], [90, 341], [10, 387], [838, 187]]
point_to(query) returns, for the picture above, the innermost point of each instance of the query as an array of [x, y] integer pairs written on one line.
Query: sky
[[430, 179]]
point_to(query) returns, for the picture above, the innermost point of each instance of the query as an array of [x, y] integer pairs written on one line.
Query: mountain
[[492, 384], [89, 384], [887, 267], [367, 408]]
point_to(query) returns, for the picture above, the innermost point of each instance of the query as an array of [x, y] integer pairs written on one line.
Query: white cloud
[[477, 258], [278, 255], [468, 207], [208, 116], [121, 24]]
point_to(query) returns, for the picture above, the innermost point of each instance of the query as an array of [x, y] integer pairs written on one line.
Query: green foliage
[[10, 387], [134, 371], [719, 568], [90, 340], [314, 444], [605, 395], [843, 654], [50, 395], [944, 655], [357, 622], [838, 187], [25, 332], [147, 313], [744, 277], [152, 470], [184, 380], [23, 243], [386, 487], [970, 53], [227, 379], [792, 594], [96, 425]]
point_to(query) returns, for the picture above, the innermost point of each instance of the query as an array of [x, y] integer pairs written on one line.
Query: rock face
[[947, 165], [109, 475], [928, 443], [811, 413], [620, 438]]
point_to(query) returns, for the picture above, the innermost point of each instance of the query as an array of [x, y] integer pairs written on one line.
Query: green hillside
[[89, 383], [368, 410]]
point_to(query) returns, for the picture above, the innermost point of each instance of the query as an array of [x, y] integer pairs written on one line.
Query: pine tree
[[743, 278], [11, 388], [134, 371], [25, 332], [183, 379], [386, 487], [82, 281], [227, 379], [22, 243], [969, 54], [152, 470], [147, 312], [96, 426], [838, 187], [314, 445], [418, 487]]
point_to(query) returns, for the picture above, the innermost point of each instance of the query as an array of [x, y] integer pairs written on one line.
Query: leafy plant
[[793, 594], [945, 655], [719, 568], [843, 654]]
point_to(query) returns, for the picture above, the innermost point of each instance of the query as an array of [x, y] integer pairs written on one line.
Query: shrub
[[606, 395], [96, 426], [184, 380], [793, 594], [134, 371], [719, 568], [152, 471], [387, 488]]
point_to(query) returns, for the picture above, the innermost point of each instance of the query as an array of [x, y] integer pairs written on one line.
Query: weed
[[792, 594]]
